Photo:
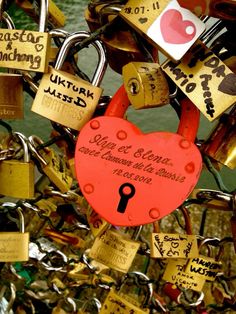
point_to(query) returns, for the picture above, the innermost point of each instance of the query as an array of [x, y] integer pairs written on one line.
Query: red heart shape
[[174, 29], [113, 156]]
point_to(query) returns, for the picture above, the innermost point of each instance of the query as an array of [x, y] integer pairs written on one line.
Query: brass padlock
[[121, 41], [15, 245], [24, 49], [11, 104], [126, 302], [221, 143], [53, 165], [65, 98], [115, 250], [16, 176], [165, 24], [145, 84]]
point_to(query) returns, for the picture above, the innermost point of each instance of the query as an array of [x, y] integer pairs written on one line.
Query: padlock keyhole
[[126, 191]]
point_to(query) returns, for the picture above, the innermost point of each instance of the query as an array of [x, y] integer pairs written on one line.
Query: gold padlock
[[164, 24], [11, 104], [145, 84], [65, 98], [15, 245], [115, 250], [26, 50], [16, 176], [53, 165], [121, 41], [126, 302], [221, 143]]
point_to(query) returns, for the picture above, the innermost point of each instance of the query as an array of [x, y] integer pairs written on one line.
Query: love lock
[[127, 176]]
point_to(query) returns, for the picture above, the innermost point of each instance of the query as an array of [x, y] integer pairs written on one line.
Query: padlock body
[[14, 246], [11, 103], [66, 99], [221, 144], [112, 152], [24, 50], [145, 84], [17, 179], [57, 170], [115, 303]]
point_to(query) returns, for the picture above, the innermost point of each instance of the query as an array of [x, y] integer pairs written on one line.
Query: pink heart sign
[[174, 29], [131, 178]]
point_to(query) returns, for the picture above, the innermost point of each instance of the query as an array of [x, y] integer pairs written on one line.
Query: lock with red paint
[[126, 175]]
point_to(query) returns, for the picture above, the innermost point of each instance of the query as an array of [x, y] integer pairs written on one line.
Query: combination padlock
[[65, 98], [11, 104], [126, 175], [24, 49]]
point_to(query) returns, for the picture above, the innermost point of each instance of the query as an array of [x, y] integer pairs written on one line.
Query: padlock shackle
[[43, 16], [189, 120], [71, 41]]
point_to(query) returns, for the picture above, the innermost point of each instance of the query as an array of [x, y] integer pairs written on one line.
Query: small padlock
[[125, 302], [14, 246], [206, 267], [16, 176], [92, 305], [165, 24], [175, 245], [65, 98], [145, 84], [221, 143], [117, 166], [24, 49], [11, 104], [53, 165], [115, 250]]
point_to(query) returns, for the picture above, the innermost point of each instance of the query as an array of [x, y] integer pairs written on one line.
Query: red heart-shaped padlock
[[131, 178]]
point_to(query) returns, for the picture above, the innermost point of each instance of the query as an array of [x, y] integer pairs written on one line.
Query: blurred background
[[148, 120]]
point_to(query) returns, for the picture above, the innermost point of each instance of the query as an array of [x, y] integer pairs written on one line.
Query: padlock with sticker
[[15, 245], [24, 49], [65, 98], [51, 164], [126, 302], [117, 166], [11, 104], [17, 175], [165, 23], [145, 84]]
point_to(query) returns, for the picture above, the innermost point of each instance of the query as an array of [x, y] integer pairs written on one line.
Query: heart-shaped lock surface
[[131, 178]]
